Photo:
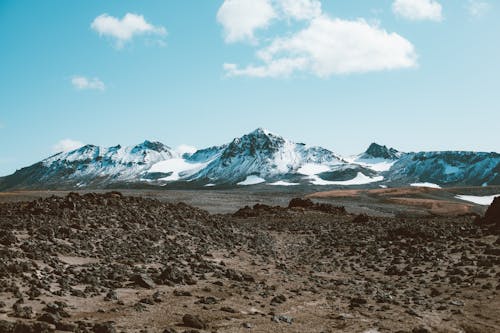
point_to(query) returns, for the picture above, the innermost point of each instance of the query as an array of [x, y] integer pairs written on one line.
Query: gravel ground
[[108, 262]]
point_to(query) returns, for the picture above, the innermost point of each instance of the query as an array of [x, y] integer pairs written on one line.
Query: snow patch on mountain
[[177, 167], [480, 200], [431, 185], [311, 169], [252, 180], [360, 179], [375, 164], [283, 183]]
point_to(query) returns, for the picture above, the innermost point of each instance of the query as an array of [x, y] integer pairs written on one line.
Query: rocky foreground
[[107, 263]]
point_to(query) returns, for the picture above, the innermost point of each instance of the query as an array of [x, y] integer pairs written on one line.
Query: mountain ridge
[[263, 156]]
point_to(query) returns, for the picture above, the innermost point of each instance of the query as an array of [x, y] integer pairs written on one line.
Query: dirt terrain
[[374, 202], [411, 200], [109, 262]]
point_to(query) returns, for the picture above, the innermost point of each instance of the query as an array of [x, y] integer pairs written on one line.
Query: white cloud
[[66, 145], [418, 10], [300, 9], [123, 30], [185, 149], [240, 18], [330, 46], [84, 83], [478, 8]]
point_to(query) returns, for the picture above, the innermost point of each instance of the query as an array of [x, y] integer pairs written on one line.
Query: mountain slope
[[257, 157], [383, 152], [266, 155], [377, 158], [447, 168], [91, 166]]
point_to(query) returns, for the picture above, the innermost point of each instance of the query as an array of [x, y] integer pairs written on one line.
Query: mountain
[[257, 157], [377, 158], [90, 166], [377, 151], [264, 155], [448, 168]]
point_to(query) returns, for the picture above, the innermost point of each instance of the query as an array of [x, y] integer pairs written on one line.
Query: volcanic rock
[[193, 321], [104, 328], [144, 281], [492, 215]]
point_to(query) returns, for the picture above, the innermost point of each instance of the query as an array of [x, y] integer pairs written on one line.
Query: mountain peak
[[86, 147], [378, 151], [260, 131], [151, 145]]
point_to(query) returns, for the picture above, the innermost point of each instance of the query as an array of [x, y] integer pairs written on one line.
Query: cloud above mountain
[[418, 10], [300, 9], [326, 46], [478, 8], [85, 83], [125, 29], [66, 145], [240, 18]]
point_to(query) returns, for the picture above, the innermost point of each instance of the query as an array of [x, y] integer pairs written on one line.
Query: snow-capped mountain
[[264, 155], [377, 158], [254, 158], [446, 168], [375, 151], [91, 166]]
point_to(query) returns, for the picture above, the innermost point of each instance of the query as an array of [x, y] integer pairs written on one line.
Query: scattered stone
[[412, 312], [282, 319], [403, 262], [492, 215], [280, 299], [51, 318], [157, 297], [144, 281], [357, 302], [421, 329], [207, 300], [457, 302], [66, 327], [6, 326], [104, 328], [182, 293], [169, 330], [193, 321], [111, 296], [228, 309], [300, 203], [361, 218], [25, 312]]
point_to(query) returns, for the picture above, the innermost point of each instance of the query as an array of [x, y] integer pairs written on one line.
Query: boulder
[[300, 203], [144, 281], [193, 321]]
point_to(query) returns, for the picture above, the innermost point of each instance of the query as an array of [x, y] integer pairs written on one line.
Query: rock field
[[107, 263]]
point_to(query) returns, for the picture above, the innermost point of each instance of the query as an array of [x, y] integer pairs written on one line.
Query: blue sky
[[413, 74]]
